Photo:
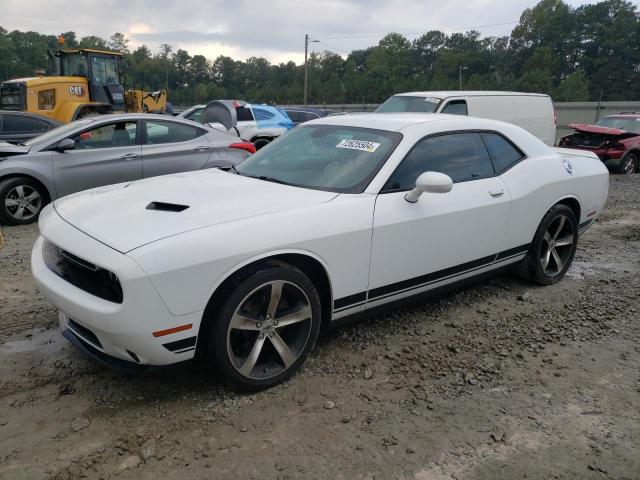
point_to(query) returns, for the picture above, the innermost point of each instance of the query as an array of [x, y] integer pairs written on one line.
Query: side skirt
[[416, 297]]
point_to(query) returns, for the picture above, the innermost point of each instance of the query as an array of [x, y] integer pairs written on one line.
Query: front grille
[[84, 332], [82, 274], [13, 96]]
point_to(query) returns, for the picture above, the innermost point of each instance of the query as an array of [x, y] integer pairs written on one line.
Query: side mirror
[[431, 182], [64, 145]]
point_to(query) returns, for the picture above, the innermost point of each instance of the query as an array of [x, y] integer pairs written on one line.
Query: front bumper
[[120, 331]]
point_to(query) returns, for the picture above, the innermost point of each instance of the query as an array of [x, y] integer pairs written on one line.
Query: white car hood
[[118, 216]]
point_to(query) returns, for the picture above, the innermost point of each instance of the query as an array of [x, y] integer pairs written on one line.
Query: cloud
[[274, 29]]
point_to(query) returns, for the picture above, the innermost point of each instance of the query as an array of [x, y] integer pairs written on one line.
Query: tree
[[119, 43], [93, 42]]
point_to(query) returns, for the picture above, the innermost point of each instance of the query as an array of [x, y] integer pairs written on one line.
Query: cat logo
[[78, 91]]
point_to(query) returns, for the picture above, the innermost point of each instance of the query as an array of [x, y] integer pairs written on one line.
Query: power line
[[331, 47], [357, 35]]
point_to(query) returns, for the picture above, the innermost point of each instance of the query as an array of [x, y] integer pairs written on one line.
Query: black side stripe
[[429, 277], [180, 344], [512, 252], [351, 301]]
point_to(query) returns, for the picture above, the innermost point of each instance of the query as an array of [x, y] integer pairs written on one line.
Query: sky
[[274, 29]]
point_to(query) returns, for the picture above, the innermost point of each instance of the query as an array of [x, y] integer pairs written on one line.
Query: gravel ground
[[502, 379]]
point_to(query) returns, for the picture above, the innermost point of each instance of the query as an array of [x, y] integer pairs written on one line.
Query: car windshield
[[621, 123], [324, 157], [56, 132], [404, 103]]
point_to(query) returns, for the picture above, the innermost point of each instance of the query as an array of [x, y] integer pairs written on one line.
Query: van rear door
[[535, 114]]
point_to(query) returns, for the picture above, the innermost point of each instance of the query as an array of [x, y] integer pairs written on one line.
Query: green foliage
[[574, 54]]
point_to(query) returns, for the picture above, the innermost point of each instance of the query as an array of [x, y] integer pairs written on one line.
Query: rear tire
[[628, 164], [553, 247], [21, 201], [266, 328]]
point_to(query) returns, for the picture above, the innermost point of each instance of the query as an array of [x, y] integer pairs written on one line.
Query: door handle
[[129, 156], [496, 192], [202, 149]]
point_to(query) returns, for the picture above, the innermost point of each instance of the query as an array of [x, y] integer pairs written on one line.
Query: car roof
[[467, 93], [52, 121], [393, 122], [136, 116]]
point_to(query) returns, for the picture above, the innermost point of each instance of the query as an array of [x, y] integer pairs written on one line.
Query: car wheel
[[261, 142], [629, 164], [266, 328], [553, 247], [21, 200]]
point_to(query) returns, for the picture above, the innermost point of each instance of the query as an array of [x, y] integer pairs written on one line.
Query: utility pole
[[460, 69], [306, 66]]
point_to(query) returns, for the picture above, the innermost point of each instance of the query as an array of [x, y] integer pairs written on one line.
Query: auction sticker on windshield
[[361, 145]]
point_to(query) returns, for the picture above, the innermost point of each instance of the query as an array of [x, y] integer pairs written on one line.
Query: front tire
[[628, 164], [21, 200], [553, 247], [266, 328]]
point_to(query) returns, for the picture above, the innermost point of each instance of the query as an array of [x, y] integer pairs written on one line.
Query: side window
[[293, 115], [456, 107], [262, 114], [503, 153], [195, 115], [306, 116], [120, 134], [244, 114], [23, 124], [462, 156], [168, 132]]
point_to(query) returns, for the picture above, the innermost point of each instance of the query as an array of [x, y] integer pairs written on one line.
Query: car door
[[441, 237], [171, 147], [103, 155], [247, 126]]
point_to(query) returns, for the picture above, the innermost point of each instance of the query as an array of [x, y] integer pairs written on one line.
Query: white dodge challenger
[[339, 216]]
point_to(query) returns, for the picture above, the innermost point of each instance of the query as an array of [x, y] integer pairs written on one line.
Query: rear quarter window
[[502, 152]]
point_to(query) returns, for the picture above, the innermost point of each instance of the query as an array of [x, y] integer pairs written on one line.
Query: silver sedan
[[104, 150]]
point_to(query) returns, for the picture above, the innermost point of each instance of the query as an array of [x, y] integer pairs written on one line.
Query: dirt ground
[[500, 380]]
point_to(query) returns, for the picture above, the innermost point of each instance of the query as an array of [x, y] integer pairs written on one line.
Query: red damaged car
[[615, 139]]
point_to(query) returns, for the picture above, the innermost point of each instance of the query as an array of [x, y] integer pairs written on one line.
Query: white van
[[532, 111]]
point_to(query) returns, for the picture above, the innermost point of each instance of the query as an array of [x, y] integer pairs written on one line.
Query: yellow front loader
[[88, 83]]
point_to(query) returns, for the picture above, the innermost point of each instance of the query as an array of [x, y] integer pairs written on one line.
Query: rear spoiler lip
[[575, 152]]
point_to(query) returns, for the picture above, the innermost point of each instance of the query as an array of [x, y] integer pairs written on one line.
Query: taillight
[[246, 146]]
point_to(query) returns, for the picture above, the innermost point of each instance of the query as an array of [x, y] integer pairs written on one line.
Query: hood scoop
[[166, 207]]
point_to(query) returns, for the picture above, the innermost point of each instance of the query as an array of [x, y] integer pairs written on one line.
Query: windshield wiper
[[270, 179]]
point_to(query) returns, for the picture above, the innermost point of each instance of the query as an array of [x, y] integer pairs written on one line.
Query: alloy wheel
[[23, 202], [557, 245], [630, 164], [269, 330]]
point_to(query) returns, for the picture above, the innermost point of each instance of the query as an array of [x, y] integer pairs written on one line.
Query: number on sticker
[[361, 145]]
